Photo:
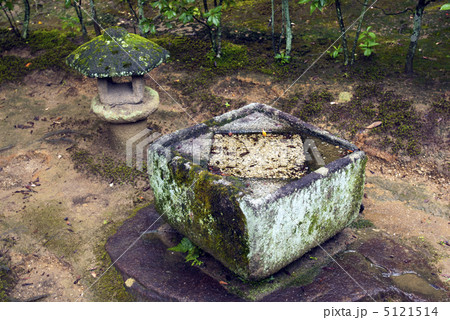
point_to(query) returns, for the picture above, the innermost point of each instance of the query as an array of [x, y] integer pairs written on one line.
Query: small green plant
[[282, 58], [193, 252], [70, 22], [337, 50], [368, 39], [361, 224]]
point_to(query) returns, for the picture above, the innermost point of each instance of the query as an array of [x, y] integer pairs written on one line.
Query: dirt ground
[[55, 219]]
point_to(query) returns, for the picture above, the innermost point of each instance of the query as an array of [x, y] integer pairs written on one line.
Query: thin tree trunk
[[219, 33], [282, 30], [217, 45], [141, 15], [287, 24], [10, 17], [272, 22], [415, 35], [212, 37], [358, 31], [94, 18], [132, 9], [77, 7], [342, 27], [219, 40], [26, 19]]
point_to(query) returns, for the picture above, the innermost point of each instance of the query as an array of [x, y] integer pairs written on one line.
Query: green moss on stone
[[205, 209], [109, 55], [215, 220]]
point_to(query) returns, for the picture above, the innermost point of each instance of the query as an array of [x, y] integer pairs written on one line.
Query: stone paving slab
[[354, 265]]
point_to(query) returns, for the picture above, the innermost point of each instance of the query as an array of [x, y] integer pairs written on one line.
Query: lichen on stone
[[117, 53]]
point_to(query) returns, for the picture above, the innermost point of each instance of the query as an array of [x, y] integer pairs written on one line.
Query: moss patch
[[7, 277], [309, 107], [110, 287], [402, 127], [211, 222], [361, 223], [106, 167], [41, 43]]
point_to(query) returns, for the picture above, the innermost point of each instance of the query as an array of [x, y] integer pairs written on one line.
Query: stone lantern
[[114, 54]]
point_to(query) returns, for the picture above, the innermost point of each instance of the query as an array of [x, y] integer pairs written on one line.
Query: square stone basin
[[256, 224]]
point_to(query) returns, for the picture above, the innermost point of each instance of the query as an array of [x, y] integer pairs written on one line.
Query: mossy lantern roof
[[117, 53]]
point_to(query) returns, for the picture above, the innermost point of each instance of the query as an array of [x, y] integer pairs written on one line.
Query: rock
[[127, 113], [345, 96]]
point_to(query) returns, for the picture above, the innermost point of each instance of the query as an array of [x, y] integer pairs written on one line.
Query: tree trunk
[[282, 30], [77, 7], [272, 22], [358, 31], [133, 13], [26, 19], [11, 20], [219, 40], [342, 27], [415, 35], [141, 15], [287, 24], [94, 18], [219, 33]]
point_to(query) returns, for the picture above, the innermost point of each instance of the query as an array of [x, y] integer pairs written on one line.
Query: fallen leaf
[[28, 64], [223, 282], [374, 125]]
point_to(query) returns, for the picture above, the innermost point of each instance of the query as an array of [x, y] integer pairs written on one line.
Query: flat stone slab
[[152, 273], [127, 113], [381, 269]]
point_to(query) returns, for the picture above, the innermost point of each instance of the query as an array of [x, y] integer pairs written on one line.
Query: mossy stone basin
[[254, 226]]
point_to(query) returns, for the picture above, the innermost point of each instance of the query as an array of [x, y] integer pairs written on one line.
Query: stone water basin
[[258, 223]]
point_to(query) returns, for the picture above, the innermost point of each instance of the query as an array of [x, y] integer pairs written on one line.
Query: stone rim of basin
[[254, 234]]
